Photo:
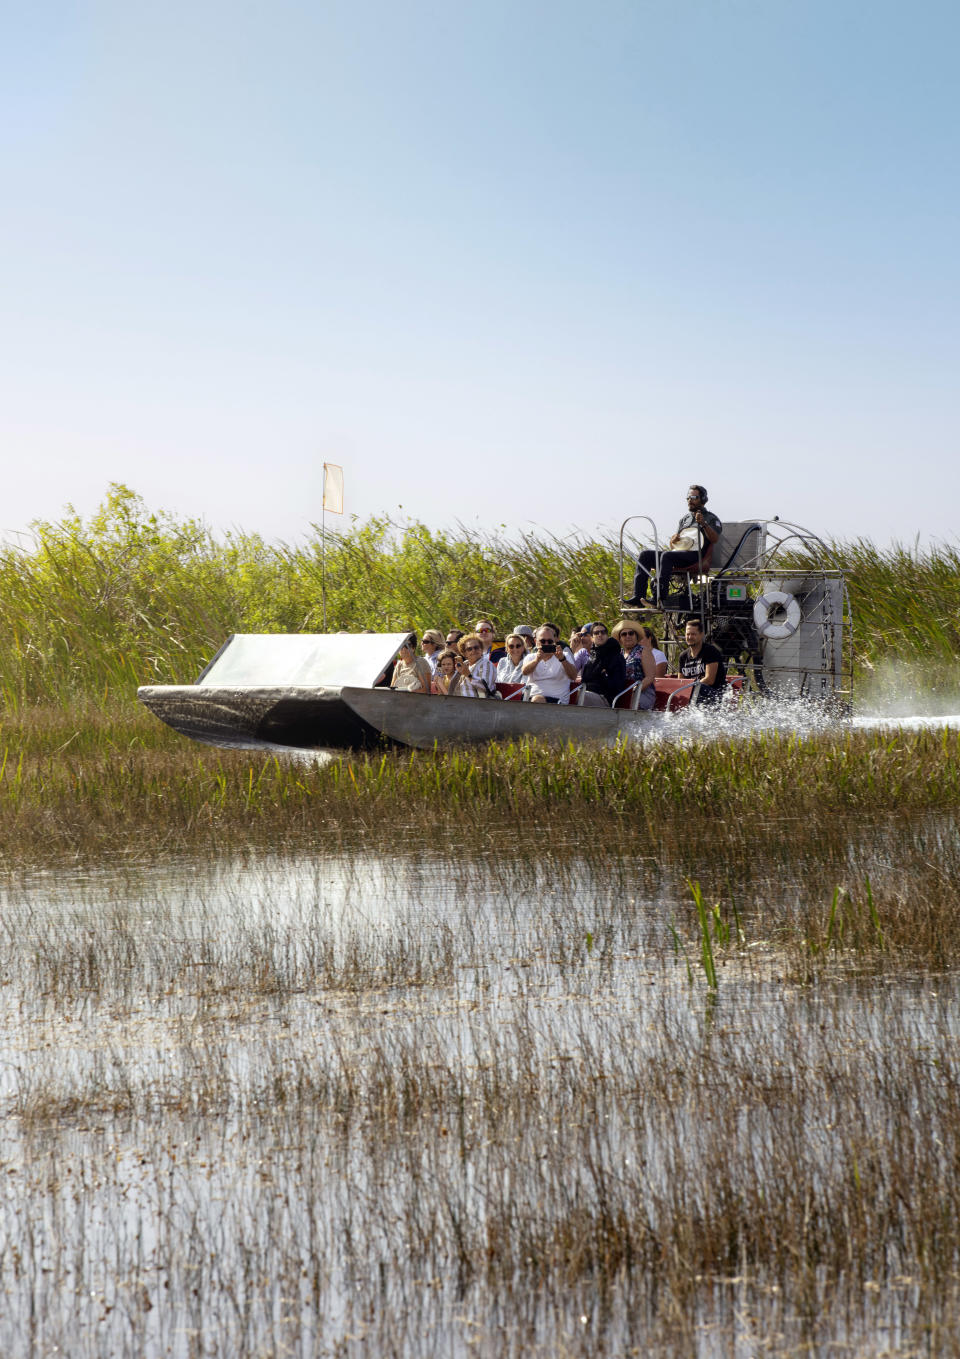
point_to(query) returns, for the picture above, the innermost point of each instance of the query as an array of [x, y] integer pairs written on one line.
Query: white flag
[[333, 488]]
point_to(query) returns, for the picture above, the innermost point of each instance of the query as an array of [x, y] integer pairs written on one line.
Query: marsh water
[[445, 1096]]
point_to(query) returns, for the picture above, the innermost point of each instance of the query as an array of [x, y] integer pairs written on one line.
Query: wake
[[781, 718]]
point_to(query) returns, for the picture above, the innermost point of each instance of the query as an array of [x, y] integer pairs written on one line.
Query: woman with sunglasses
[[431, 644], [411, 672], [605, 672], [638, 659], [509, 667], [476, 669]]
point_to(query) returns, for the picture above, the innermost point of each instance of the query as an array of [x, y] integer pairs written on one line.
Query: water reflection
[[428, 1097]]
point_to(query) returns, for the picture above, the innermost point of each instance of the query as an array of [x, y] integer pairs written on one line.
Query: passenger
[[548, 670], [698, 524], [485, 631], [525, 631], [605, 673], [510, 666], [640, 666], [658, 656], [704, 662], [446, 672], [581, 641], [431, 646], [411, 672], [481, 669], [648, 690], [562, 648]]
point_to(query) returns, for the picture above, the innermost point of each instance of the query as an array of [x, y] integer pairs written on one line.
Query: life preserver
[[765, 606]]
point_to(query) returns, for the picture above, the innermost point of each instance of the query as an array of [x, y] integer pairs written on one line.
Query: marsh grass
[[455, 1125], [83, 789]]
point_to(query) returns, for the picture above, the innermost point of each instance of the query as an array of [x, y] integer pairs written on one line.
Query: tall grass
[[92, 607]]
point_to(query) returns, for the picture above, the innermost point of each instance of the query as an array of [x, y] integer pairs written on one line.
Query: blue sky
[[507, 263]]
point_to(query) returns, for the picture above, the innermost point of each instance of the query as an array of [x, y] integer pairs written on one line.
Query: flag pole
[[323, 553], [332, 501]]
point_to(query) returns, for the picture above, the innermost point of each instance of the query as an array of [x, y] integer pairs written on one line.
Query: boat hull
[[302, 718], [413, 720], [356, 719]]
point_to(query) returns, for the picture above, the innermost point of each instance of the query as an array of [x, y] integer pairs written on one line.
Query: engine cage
[[774, 601]]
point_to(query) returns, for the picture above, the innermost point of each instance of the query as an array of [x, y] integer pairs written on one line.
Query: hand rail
[[694, 685]]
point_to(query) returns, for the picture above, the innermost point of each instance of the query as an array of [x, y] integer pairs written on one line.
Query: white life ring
[[765, 606]]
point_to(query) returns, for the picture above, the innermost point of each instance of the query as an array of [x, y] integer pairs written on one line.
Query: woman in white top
[[411, 672], [660, 659], [431, 646], [548, 671], [510, 666]]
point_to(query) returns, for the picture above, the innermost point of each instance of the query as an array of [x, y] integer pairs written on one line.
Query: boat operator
[[683, 550]]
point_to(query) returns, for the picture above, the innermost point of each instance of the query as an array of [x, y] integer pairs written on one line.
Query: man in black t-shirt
[[704, 662]]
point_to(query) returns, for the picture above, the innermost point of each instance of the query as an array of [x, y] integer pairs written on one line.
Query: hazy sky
[[506, 262]]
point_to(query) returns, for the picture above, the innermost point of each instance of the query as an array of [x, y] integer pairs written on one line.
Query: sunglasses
[[597, 632], [472, 647], [627, 632], [490, 630]]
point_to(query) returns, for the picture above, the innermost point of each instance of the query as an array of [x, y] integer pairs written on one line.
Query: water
[[417, 1101]]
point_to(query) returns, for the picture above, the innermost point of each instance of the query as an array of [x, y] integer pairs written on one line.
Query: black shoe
[[634, 603]]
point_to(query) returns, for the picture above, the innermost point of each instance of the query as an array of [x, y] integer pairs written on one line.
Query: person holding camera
[[549, 669], [476, 669]]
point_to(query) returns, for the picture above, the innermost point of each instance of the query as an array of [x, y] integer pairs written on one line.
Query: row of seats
[[672, 692]]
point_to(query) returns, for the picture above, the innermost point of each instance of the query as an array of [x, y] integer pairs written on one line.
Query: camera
[[548, 646]]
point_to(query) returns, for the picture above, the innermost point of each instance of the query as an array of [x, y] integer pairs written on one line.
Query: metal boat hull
[[355, 719], [414, 720], [304, 718]]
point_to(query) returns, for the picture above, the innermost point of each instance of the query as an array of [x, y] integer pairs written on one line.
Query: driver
[[697, 525]]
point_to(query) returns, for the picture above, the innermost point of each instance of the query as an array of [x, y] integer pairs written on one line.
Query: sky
[[531, 265]]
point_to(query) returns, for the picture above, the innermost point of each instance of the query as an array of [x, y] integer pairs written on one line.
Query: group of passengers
[[537, 666]]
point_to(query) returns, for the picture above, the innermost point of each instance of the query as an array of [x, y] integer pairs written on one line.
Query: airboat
[[767, 594]]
